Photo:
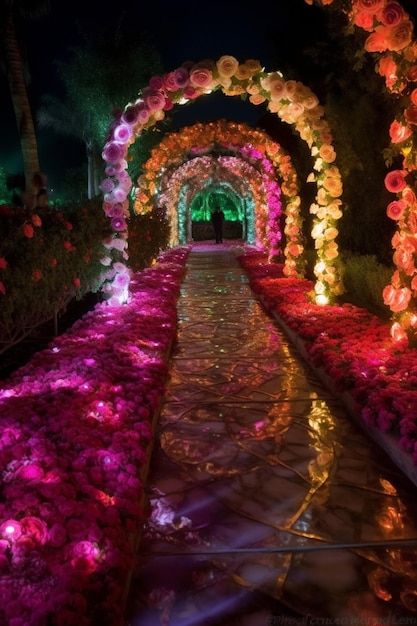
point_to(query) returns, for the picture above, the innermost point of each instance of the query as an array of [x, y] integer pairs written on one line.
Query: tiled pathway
[[269, 505]]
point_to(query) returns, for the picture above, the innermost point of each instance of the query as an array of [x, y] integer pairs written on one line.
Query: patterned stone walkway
[[269, 506]]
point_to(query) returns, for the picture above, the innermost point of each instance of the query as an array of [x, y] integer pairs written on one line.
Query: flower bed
[[77, 425], [353, 351]]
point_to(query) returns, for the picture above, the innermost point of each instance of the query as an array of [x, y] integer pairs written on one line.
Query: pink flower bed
[[353, 348], [76, 425]]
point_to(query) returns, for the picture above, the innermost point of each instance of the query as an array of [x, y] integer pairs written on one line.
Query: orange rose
[[396, 299], [398, 132], [327, 153]]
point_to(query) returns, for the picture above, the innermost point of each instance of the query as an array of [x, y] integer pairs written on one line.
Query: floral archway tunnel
[[391, 40], [256, 147], [292, 101], [218, 173]]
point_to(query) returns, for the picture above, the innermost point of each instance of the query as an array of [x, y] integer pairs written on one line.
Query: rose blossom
[[154, 100], [28, 231], [395, 210], [396, 299], [391, 14], [395, 180], [398, 132], [201, 77], [377, 41], [122, 133], [399, 36], [113, 152], [227, 66]]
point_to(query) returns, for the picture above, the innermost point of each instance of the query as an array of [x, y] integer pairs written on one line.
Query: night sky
[[181, 31]]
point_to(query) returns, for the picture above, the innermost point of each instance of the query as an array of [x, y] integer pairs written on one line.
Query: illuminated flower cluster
[[392, 42], [76, 425], [295, 104]]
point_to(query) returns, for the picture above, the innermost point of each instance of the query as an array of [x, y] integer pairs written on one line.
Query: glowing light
[[322, 299]]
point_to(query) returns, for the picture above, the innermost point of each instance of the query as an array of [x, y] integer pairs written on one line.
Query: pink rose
[[182, 77], [122, 133], [118, 223], [107, 185], [395, 180], [130, 115], [170, 82], [10, 529], [113, 152], [395, 210], [201, 77], [391, 14], [154, 100], [35, 528]]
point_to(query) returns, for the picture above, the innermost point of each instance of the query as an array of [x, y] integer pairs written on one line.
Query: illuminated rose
[[30, 472], [182, 77], [253, 65], [327, 153], [412, 74], [364, 20], [377, 41], [130, 115], [403, 258], [154, 100], [331, 251], [243, 72], [398, 132], [333, 186], [395, 180], [388, 69], [201, 77], [190, 93], [118, 223], [227, 66], [36, 220], [391, 14], [410, 114], [34, 527], [143, 113], [122, 133], [400, 36], [396, 299], [277, 89], [113, 152], [395, 210], [107, 185]]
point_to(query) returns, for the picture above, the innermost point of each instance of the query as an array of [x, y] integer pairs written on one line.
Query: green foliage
[[58, 262], [364, 279], [148, 236], [4, 191]]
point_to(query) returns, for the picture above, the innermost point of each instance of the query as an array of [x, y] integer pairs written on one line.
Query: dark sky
[[182, 30]]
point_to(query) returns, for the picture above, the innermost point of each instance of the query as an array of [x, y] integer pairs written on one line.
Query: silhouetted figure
[[217, 218]]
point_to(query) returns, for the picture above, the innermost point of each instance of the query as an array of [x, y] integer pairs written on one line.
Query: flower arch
[[232, 171], [392, 42], [256, 147], [292, 101]]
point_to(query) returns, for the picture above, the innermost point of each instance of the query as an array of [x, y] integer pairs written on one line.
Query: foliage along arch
[[292, 101], [392, 42], [236, 173], [255, 146]]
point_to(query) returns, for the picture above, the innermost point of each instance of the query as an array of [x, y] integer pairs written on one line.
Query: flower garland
[[292, 101], [391, 41]]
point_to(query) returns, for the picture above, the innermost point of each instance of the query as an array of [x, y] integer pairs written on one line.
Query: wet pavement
[[269, 505]]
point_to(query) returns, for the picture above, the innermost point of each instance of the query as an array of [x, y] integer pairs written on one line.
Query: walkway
[[268, 504]]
